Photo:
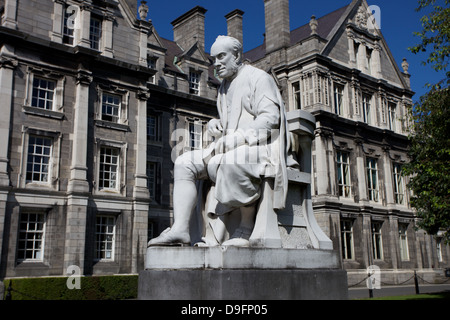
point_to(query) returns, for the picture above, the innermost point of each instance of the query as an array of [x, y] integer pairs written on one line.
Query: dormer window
[[194, 83]]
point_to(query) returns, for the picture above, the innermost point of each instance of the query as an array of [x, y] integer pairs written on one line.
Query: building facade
[[96, 106]]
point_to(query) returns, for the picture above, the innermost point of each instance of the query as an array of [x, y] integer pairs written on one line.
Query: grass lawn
[[426, 296]]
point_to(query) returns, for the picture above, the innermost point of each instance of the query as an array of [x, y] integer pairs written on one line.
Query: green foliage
[[435, 34], [91, 288], [429, 161], [429, 164]]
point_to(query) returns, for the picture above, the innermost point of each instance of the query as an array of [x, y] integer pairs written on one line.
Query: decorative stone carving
[[405, 65], [313, 24], [143, 10]]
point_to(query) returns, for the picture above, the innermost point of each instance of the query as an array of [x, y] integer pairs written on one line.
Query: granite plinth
[[230, 273]]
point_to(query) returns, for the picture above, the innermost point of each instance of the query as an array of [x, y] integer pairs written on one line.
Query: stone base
[[228, 273], [242, 285]]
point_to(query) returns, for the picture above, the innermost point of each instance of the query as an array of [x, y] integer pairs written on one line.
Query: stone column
[[7, 66], [83, 23], [321, 163], [78, 170], [9, 18], [107, 36], [361, 173], [75, 241], [351, 48], [58, 15], [388, 183], [394, 247]]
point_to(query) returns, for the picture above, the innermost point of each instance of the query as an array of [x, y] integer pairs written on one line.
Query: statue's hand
[[215, 128]]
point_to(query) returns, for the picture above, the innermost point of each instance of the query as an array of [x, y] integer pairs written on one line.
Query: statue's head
[[227, 54]]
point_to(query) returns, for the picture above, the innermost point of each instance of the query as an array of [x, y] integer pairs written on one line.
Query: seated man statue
[[251, 143]]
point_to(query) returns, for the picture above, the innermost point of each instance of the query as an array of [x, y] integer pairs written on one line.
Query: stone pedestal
[[229, 273]]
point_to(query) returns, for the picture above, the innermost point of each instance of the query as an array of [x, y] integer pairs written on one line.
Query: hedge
[[91, 288]]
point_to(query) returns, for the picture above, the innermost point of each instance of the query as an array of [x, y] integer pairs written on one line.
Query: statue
[[251, 143]]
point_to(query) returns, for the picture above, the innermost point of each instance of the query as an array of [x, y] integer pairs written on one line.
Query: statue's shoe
[[239, 238], [167, 238], [206, 243], [237, 242]]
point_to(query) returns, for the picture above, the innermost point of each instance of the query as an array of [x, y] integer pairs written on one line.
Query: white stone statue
[[251, 144]]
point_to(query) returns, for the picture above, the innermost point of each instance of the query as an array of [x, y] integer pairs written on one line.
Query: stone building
[[95, 106]]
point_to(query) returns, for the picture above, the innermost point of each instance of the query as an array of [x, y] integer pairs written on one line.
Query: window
[[194, 83], [104, 237], [109, 167], [391, 116], [195, 135], [372, 179], [153, 125], [343, 171], [399, 189], [403, 240], [367, 118], [151, 64], [31, 237], [43, 93], [297, 95], [38, 159], [347, 238], [377, 242], [338, 99], [111, 104], [152, 176], [369, 60], [95, 33], [69, 24]]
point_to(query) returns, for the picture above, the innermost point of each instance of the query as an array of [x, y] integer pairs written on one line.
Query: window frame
[[377, 240], [336, 86], [399, 184], [20, 231], [53, 182], [345, 241], [95, 38], [373, 189], [98, 244], [192, 134], [403, 242], [120, 187], [194, 82], [366, 101], [340, 171]]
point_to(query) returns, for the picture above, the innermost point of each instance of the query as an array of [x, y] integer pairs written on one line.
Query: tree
[[429, 166], [435, 34]]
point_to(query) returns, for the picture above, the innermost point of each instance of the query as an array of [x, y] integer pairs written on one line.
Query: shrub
[[91, 288]]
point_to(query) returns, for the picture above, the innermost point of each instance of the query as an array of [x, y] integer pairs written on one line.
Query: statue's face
[[225, 61]]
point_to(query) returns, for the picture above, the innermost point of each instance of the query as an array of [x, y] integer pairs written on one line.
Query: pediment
[[195, 54], [360, 25]]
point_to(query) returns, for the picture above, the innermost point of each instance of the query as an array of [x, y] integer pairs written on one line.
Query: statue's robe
[[250, 105]]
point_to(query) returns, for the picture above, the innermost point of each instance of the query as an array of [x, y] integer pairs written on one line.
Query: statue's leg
[[188, 168], [240, 237]]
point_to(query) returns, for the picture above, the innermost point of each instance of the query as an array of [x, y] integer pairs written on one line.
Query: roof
[[174, 50], [326, 25]]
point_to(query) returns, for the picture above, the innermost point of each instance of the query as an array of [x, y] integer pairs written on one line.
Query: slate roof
[[326, 24]]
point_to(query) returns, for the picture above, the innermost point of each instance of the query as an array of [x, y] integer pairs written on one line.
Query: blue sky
[[398, 22]]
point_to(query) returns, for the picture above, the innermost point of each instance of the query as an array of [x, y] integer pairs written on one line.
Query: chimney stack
[[277, 24], [234, 25], [190, 28]]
